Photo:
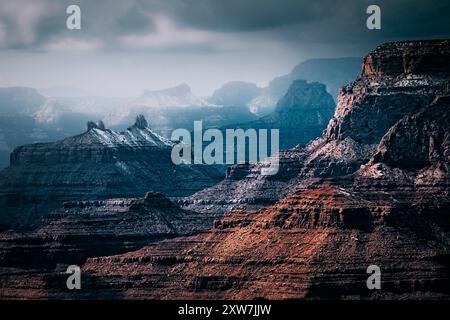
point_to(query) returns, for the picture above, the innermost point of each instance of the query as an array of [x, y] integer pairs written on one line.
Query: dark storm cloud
[[32, 24], [36, 24], [134, 21], [240, 15], [402, 17]]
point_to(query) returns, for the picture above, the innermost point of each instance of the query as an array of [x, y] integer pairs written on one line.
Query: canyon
[[373, 189]]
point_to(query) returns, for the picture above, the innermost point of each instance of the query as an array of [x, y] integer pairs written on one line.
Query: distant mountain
[[63, 91], [94, 105], [97, 164], [19, 100], [179, 96], [334, 73], [28, 117], [301, 114], [235, 93], [174, 108]]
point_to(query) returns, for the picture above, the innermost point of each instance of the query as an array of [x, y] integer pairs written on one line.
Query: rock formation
[[385, 157], [97, 164], [366, 110], [301, 114]]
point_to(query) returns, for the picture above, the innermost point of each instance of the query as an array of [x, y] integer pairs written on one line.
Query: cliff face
[[301, 114], [418, 140], [408, 57], [397, 80], [365, 112], [90, 228], [97, 164], [334, 73]]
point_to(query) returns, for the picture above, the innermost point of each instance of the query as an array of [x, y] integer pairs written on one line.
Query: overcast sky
[[126, 46]]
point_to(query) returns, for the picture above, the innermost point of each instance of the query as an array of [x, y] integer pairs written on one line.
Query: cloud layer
[[208, 25], [125, 46]]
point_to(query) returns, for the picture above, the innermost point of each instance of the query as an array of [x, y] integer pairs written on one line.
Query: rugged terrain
[[372, 190], [98, 164]]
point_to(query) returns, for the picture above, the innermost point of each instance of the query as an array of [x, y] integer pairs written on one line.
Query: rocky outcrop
[[418, 140], [409, 57], [317, 243], [301, 114], [83, 229], [97, 164], [90, 228]]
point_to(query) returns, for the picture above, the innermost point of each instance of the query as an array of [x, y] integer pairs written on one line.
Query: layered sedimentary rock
[[88, 228], [385, 201], [316, 243], [97, 164], [83, 229], [319, 240], [365, 111]]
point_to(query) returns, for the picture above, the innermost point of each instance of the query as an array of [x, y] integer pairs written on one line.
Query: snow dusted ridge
[[179, 96], [138, 135], [133, 137]]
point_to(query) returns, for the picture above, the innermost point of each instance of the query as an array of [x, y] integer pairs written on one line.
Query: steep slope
[[366, 110], [301, 115], [97, 164]]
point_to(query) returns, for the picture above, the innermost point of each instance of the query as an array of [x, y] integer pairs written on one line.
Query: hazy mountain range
[[334, 73], [30, 115]]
